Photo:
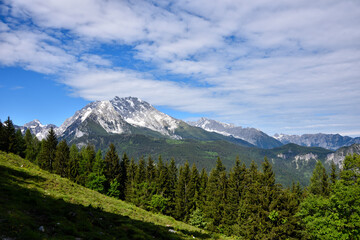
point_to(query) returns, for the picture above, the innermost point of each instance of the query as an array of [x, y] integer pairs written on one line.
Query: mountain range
[[139, 129]]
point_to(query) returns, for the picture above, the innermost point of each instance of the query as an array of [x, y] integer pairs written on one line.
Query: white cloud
[[269, 64]]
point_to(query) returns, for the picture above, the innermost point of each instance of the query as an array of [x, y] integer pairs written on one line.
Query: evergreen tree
[[112, 164], [194, 188], [96, 179], [216, 196], [2, 137], [61, 160], [73, 164], [234, 193], [32, 146], [9, 137], [150, 170], [182, 207], [123, 176], [48, 151], [319, 184], [333, 175], [130, 188], [20, 146], [99, 164], [162, 180], [202, 187], [140, 175], [88, 158], [172, 183]]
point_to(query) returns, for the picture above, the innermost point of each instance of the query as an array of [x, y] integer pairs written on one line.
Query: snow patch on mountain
[[37, 128]]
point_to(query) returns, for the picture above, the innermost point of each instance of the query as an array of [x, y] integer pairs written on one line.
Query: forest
[[244, 201]]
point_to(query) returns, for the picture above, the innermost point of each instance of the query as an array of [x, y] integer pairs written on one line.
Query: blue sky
[[283, 67]]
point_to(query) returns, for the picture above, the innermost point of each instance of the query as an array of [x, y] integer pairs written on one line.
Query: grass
[[35, 204]]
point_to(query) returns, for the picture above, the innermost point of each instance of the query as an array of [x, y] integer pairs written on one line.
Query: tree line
[[243, 202]]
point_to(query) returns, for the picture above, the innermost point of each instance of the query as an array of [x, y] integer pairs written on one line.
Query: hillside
[[35, 204]]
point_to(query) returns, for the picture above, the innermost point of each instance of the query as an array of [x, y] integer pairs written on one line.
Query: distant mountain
[[340, 154], [328, 141], [36, 128], [251, 135], [128, 115]]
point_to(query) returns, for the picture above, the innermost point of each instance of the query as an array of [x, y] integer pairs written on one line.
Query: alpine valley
[[137, 128]]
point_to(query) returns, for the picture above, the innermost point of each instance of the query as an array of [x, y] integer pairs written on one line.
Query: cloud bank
[[278, 66]]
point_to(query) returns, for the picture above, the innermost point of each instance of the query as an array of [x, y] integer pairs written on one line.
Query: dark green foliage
[[112, 164], [114, 189], [8, 137], [2, 137], [47, 152], [96, 182], [336, 216], [150, 170], [319, 184], [216, 196], [123, 176], [73, 164], [61, 160], [182, 204], [20, 145], [32, 146]]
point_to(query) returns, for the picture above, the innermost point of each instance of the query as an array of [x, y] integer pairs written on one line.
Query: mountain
[[36, 128], [328, 141], [251, 135], [125, 116], [339, 156]]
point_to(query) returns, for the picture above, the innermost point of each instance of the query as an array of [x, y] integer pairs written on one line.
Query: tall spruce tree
[[319, 184], [216, 196], [150, 170], [130, 188], [61, 160], [333, 174], [2, 136], [234, 194], [73, 164], [123, 176], [47, 153], [9, 137], [32, 146], [112, 164], [194, 188], [20, 145], [182, 206], [172, 183]]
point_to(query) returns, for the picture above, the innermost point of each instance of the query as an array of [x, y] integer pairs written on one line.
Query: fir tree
[[20, 145], [2, 137], [61, 160], [162, 179], [333, 175], [99, 164], [194, 187], [48, 151], [9, 138], [123, 176], [130, 188], [32, 146], [73, 164], [319, 184], [150, 170], [112, 164], [216, 195], [140, 175], [182, 207], [172, 182]]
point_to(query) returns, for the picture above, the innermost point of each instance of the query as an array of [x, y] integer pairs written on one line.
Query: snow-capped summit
[[141, 114], [37, 128], [100, 112], [250, 135]]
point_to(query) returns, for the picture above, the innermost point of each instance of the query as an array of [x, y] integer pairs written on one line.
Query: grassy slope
[[31, 197]]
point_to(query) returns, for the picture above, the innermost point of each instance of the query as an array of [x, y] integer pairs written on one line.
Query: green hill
[[35, 204]]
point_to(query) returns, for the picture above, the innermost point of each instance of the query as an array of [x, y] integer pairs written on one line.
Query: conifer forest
[[243, 202]]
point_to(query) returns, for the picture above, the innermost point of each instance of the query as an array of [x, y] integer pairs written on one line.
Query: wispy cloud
[[262, 64]]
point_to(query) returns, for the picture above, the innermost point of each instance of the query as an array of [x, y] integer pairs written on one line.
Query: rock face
[[328, 141], [339, 156], [251, 135], [38, 129]]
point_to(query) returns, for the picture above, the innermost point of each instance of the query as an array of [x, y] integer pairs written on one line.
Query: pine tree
[[20, 146], [216, 196], [88, 158], [99, 164], [73, 164], [140, 175], [9, 138], [172, 183], [182, 206], [96, 179], [130, 188], [193, 192], [2, 137], [112, 164], [150, 170], [319, 184], [32, 146], [162, 180], [123, 176], [234, 193], [61, 160], [48, 151], [202, 189], [333, 175]]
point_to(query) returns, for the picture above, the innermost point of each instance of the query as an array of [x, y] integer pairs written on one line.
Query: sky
[[281, 66]]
